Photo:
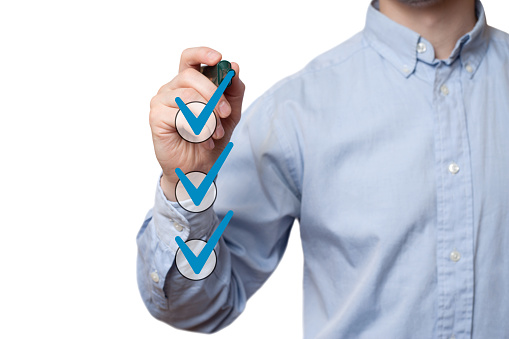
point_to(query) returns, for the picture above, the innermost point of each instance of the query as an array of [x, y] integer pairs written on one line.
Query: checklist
[[196, 258]]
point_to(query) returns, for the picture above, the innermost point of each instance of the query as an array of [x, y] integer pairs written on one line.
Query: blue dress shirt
[[396, 166]]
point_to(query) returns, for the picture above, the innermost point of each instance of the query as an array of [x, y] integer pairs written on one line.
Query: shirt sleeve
[[258, 182]]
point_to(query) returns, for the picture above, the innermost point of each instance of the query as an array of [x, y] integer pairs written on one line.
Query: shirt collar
[[398, 44]]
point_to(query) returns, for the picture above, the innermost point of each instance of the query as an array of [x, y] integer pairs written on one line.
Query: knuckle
[[162, 88], [156, 116], [188, 94], [167, 86], [154, 101], [242, 86], [188, 72], [185, 52], [152, 117]]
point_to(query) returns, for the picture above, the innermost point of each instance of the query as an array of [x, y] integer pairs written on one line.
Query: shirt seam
[[287, 150]]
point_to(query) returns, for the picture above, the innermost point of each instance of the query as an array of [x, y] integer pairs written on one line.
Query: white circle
[[185, 269], [184, 199], [185, 130]]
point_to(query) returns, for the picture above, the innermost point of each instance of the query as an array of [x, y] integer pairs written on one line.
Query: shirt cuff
[[171, 220]]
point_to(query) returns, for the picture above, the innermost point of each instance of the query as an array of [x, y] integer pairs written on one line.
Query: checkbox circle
[[184, 200], [184, 129], [183, 266]]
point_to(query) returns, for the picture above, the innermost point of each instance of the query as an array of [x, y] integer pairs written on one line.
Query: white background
[[77, 168]]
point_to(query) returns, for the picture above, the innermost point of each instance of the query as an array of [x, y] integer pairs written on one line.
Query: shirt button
[[154, 276], [444, 89], [455, 256], [469, 68], [421, 47], [178, 227], [454, 168]]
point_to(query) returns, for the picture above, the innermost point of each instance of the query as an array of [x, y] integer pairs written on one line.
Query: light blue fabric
[[358, 147]]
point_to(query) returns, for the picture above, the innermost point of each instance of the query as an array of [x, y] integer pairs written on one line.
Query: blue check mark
[[197, 262], [198, 193], [197, 123]]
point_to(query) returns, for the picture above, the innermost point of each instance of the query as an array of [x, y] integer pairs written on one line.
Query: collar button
[[421, 47]]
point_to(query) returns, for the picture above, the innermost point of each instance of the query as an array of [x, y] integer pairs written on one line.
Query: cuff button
[[154, 276], [178, 227]]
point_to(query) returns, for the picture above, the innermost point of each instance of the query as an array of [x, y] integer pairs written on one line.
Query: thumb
[[235, 93]]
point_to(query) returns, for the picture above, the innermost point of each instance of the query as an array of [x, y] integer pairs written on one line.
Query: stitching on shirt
[[440, 208], [287, 149], [310, 68], [468, 301]]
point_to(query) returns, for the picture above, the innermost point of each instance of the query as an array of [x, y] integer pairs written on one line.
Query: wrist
[[168, 187]]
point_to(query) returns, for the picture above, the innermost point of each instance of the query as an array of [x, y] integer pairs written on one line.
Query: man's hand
[[190, 85]]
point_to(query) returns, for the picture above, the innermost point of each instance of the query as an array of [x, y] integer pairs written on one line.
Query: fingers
[[190, 78], [167, 98], [163, 108], [235, 93], [191, 85], [237, 88], [194, 57]]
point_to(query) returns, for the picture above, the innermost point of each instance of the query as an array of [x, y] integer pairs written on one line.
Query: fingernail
[[220, 131], [212, 55], [206, 145], [223, 108], [211, 144]]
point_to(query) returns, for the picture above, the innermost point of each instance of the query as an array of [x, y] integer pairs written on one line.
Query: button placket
[[454, 220], [455, 256]]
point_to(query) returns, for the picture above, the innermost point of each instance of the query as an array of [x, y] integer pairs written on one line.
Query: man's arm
[[257, 184]]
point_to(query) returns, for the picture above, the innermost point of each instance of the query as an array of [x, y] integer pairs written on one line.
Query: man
[[392, 152]]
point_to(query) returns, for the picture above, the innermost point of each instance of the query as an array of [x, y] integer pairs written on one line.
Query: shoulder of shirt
[[336, 56], [497, 35]]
